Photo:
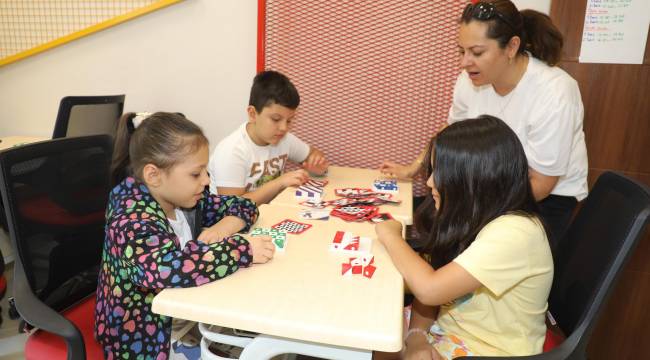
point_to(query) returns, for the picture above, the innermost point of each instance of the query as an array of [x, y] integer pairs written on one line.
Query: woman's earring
[[509, 61]]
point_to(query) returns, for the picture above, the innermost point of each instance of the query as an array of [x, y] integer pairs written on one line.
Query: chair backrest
[[593, 252], [88, 115], [55, 195]]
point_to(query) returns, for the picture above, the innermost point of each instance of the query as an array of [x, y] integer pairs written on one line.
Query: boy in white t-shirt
[[250, 162]]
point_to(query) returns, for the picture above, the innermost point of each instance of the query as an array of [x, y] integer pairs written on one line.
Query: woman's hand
[[388, 229], [395, 170]]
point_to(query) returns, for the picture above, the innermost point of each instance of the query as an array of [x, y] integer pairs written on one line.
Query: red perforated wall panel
[[375, 77]]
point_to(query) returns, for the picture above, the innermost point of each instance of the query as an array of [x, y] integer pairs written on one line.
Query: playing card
[[314, 204], [389, 186], [314, 214], [345, 241], [278, 237], [291, 226], [381, 217], [353, 192], [363, 265]]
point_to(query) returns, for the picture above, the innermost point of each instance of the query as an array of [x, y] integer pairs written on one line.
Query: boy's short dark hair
[[272, 87]]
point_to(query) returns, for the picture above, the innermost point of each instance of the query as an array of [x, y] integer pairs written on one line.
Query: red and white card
[[362, 265], [347, 242]]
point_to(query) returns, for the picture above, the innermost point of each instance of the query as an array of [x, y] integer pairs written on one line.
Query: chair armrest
[[38, 314]]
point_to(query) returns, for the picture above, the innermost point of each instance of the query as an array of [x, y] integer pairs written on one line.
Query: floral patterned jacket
[[142, 256]]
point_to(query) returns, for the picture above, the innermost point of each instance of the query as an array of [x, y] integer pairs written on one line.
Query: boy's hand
[[263, 248], [393, 169], [316, 162], [294, 178], [388, 229]]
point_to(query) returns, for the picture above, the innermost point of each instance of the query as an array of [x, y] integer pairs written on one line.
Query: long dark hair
[[480, 170], [162, 139], [536, 30]]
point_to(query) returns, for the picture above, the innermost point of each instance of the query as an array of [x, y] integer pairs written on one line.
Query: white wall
[[539, 5], [196, 57]]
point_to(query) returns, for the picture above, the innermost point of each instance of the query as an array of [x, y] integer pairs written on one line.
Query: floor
[[11, 342]]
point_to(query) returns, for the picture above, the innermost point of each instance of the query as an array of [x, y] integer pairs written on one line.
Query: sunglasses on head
[[485, 11]]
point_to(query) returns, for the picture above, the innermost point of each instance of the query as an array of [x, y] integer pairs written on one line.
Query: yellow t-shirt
[[505, 317]]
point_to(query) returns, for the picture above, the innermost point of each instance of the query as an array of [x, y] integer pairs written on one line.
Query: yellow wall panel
[[29, 27]]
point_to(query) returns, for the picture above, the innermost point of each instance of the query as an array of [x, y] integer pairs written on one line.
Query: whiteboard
[[615, 31]]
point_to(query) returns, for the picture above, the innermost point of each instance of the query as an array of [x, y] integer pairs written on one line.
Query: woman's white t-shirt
[[545, 111]]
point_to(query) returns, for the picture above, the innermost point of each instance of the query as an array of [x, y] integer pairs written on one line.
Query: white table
[[299, 302], [345, 177], [11, 141]]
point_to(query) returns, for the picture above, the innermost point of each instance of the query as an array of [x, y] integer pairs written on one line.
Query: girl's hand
[[221, 230], [263, 248], [417, 347], [294, 178], [421, 350], [388, 229]]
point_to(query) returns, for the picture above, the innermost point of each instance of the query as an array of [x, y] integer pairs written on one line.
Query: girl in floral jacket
[[164, 229]]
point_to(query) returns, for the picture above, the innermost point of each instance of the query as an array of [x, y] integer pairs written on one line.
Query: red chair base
[[552, 340], [45, 345], [3, 285]]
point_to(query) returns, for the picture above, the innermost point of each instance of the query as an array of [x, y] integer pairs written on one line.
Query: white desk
[[11, 141], [345, 177], [301, 295]]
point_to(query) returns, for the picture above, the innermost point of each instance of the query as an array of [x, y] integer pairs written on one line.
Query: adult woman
[[508, 59], [485, 288]]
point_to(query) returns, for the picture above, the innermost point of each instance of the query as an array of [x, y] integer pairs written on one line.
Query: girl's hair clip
[[139, 118], [474, 2]]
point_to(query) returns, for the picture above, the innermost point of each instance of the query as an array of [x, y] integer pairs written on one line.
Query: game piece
[[314, 214], [386, 186], [353, 192], [291, 226], [362, 265], [311, 190], [278, 237], [315, 204], [355, 213], [381, 217], [349, 243]]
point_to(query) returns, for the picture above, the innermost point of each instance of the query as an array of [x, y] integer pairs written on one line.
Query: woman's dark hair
[[271, 87], [162, 139], [537, 33], [481, 172]]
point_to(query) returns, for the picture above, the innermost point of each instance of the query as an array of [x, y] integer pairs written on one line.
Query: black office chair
[[88, 115], [55, 195], [3, 282], [598, 243]]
